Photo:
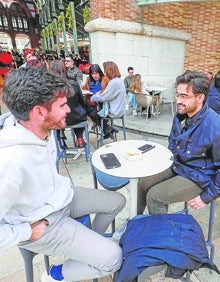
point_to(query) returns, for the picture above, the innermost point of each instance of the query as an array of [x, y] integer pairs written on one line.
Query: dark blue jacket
[[197, 151], [174, 239], [214, 99]]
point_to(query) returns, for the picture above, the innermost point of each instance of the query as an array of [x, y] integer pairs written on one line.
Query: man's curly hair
[[26, 88]]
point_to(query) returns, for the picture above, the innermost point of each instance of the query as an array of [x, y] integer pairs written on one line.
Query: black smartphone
[[110, 160], [145, 148]]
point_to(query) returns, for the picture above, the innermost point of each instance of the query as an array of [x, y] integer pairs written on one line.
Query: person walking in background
[[127, 83], [194, 141], [38, 214], [114, 94], [96, 82], [77, 60], [29, 57], [214, 94]]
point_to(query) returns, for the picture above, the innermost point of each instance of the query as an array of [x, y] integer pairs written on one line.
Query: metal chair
[[110, 183], [168, 96], [101, 140], [147, 101], [83, 124], [63, 152], [28, 255]]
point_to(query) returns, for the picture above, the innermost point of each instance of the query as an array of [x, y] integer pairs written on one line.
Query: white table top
[[152, 162], [156, 88]]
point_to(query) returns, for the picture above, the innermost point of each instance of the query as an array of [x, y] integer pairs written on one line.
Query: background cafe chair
[[108, 182], [99, 130], [147, 101], [62, 152], [168, 97]]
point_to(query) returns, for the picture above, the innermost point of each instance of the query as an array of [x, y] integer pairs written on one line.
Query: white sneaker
[[47, 278], [120, 231], [135, 113]]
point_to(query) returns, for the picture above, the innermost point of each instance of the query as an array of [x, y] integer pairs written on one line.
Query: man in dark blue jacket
[[195, 143]]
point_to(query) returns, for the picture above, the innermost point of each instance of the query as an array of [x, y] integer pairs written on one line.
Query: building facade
[[19, 25], [159, 40]]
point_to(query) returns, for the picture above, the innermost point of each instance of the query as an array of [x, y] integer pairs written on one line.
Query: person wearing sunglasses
[[72, 71]]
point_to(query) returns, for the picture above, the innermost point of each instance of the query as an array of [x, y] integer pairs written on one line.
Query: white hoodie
[[30, 187]]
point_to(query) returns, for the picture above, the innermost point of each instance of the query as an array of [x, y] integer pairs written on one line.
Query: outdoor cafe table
[[152, 162]]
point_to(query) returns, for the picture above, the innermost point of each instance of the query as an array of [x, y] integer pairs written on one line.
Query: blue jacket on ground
[[197, 151], [214, 99], [174, 239]]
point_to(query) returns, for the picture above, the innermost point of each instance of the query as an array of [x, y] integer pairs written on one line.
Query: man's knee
[[111, 260], [119, 201]]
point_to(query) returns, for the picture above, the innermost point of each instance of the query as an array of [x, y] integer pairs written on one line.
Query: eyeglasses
[[67, 60], [184, 96]]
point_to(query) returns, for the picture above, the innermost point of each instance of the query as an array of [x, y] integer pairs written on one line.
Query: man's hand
[[196, 203], [38, 229]]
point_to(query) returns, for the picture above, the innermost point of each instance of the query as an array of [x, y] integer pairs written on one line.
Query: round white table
[[152, 162]]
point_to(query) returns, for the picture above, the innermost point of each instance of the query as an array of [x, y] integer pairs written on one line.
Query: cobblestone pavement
[[157, 130]]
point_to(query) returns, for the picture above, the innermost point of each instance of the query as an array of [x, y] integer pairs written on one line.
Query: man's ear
[[39, 112], [201, 98]]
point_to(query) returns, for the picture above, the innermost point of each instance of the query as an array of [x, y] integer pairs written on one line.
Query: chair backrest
[[168, 95], [145, 100], [108, 182]]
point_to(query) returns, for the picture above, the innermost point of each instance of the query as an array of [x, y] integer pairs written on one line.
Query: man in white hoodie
[[38, 206]]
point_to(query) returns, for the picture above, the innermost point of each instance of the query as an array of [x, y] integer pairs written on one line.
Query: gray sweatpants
[[158, 191], [88, 254]]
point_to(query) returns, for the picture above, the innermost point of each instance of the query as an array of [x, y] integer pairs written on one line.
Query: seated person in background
[[194, 141], [77, 113], [137, 86], [39, 212], [127, 83], [209, 74], [72, 72], [114, 94], [96, 82], [76, 104], [214, 94]]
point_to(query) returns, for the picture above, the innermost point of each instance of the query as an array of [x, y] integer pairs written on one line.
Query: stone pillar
[[156, 53]]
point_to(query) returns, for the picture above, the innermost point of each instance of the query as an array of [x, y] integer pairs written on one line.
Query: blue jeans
[[132, 100]]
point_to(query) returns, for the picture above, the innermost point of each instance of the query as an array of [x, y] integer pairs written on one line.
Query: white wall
[[154, 52]]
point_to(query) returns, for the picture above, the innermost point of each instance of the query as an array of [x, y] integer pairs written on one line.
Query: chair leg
[[28, 257], [47, 263], [28, 261], [123, 127], [87, 148], [101, 141], [211, 224]]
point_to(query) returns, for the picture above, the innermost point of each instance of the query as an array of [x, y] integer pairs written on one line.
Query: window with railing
[[14, 22]]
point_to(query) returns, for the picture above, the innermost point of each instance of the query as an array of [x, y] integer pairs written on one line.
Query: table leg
[[133, 198]]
